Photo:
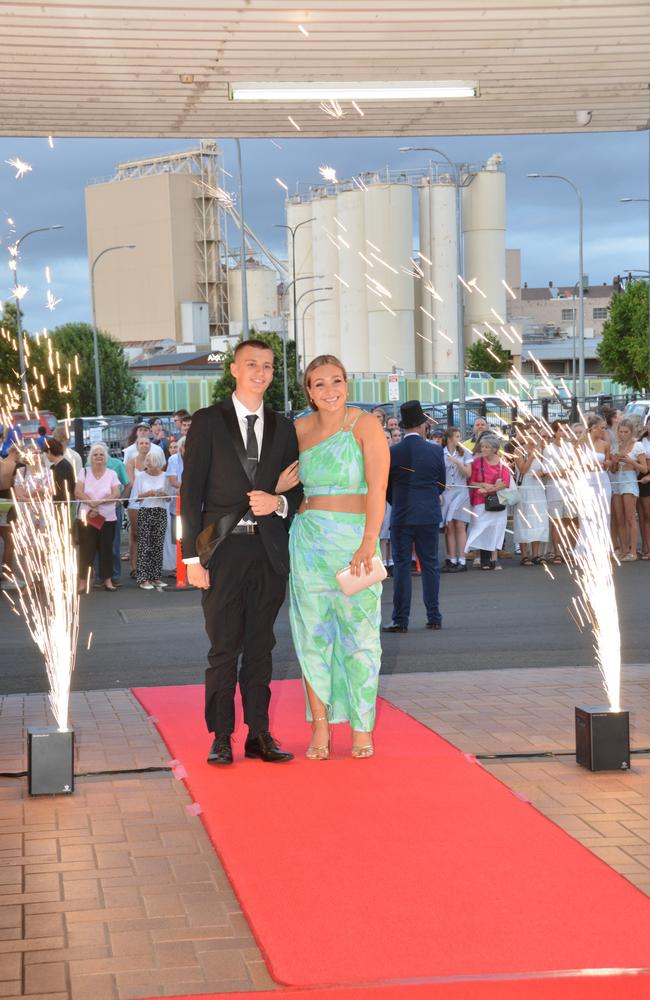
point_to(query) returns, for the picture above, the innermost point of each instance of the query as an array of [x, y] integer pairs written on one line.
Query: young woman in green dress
[[343, 467]]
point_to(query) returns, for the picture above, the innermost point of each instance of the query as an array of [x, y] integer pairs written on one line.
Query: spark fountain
[[46, 558], [602, 731]]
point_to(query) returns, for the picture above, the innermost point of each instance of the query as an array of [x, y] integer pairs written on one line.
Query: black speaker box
[[50, 760], [602, 738]]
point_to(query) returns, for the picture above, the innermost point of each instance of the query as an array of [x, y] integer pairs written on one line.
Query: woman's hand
[[499, 485], [288, 479], [363, 557]]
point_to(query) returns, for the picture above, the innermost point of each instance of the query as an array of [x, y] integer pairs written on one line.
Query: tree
[[623, 351], [119, 387], [45, 390], [225, 385], [480, 357]]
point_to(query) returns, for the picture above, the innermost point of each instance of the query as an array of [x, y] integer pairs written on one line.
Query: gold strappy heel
[[320, 753], [359, 753]]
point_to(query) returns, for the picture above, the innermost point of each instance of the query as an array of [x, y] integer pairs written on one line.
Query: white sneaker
[[146, 585], [159, 583]]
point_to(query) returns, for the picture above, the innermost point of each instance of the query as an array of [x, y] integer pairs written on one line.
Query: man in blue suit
[[417, 478]]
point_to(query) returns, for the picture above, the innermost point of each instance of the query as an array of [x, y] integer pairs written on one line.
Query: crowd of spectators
[[136, 491]]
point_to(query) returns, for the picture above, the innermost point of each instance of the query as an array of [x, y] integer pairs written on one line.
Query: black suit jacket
[[416, 480], [216, 479]]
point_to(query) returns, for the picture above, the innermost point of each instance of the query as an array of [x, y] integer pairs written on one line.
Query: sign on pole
[[393, 388]]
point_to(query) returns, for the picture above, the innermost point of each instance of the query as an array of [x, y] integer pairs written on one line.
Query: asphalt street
[[517, 617]]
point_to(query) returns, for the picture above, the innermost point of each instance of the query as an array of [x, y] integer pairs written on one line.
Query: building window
[[568, 314], [600, 312]]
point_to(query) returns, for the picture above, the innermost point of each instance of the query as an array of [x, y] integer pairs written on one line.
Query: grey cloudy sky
[[541, 214]]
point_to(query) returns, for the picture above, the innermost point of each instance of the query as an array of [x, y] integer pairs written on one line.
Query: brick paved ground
[[115, 892]]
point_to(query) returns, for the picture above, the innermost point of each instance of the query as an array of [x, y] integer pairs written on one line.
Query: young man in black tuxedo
[[235, 544]]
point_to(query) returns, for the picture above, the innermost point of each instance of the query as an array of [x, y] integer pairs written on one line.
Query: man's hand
[[262, 503], [198, 576]]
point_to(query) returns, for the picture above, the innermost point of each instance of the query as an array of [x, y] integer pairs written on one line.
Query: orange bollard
[[181, 568]]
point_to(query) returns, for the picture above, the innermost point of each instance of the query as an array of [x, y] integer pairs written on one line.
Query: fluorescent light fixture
[[435, 90]]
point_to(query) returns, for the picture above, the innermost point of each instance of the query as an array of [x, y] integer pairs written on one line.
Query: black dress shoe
[[220, 751], [394, 628], [435, 625], [264, 747]]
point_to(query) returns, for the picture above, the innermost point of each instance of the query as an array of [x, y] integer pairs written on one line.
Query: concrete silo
[[353, 307], [438, 242], [261, 285], [484, 231], [389, 237], [325, 257]]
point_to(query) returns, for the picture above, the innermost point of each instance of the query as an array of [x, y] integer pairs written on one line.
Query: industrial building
[[181, 283], [393, 297]]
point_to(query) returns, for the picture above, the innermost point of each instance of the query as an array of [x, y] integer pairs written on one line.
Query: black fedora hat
[[412, 414]]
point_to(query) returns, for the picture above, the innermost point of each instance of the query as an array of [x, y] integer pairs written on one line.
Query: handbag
[[510, 495], [492, 500], [351, 584], [95, 519]]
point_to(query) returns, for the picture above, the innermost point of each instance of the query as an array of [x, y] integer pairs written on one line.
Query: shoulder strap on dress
[[351, 427]]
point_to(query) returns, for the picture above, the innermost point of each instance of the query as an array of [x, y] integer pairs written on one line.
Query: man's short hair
[[144, 424], [181, 414], [259, 345], [54, 447]]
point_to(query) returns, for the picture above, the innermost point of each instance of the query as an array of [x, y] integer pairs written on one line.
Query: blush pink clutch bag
[[351, 584]]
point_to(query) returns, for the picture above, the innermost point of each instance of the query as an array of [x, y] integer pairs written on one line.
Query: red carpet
[[413, 865]]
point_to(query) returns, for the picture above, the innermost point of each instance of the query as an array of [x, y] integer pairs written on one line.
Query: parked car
[[29, 425], [638, 409]]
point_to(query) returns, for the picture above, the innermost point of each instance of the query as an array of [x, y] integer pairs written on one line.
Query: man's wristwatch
[[279, 506]]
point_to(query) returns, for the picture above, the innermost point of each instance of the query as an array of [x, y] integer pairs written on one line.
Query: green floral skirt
[[337, 638]]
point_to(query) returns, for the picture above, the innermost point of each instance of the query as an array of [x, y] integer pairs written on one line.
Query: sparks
[[303, 30], [357, 108], [332, 108], [508, 289], [47, 559], [20, 291], [282, 184], [52, 302], [387, 308], [48, 276], [328, 174], [295, 125], [277, 144], [50, 141], [340, 279], [19, 166]]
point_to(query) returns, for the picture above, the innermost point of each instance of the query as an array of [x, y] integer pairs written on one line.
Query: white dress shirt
[[242, 412]]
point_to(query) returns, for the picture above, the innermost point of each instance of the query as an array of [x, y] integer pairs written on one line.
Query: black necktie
[[252, 452], [252, 455]]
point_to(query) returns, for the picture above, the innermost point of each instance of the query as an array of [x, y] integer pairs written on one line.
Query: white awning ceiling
[[105, 68]]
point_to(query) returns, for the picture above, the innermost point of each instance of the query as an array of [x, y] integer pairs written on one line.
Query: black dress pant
[[240, 609], [92, 541]]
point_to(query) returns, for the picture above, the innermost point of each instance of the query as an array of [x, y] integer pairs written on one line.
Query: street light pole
[[460, 313], [98, 388], [581, 283], [321, 288], [293, 230], [648, 201], [308, 306], [244, 285], [19, 322]]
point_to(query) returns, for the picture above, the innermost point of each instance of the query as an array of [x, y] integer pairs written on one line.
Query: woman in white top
[[530, 520], [173, 478], [557, 456], [135, 464], [456, 510], [150, 490], [627, 461], [98, 488]]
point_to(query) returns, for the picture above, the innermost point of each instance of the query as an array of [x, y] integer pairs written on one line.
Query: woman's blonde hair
[[320, 362]]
